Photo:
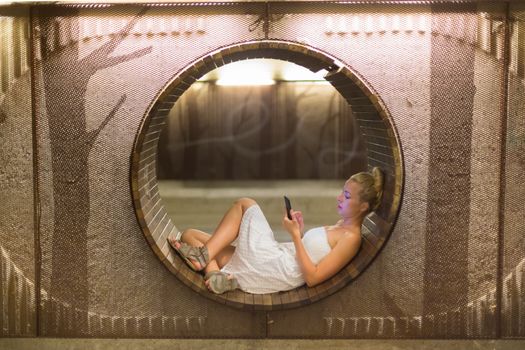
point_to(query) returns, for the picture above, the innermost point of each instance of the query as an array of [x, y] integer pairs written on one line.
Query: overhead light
[[174, 25], [409, 23], [200, 25], [243, 73], [356, 24], [263, 71], [382, 24], [329, 25], [396, 23], [369, 25], [297, 73], [244, 81], [342, 25], [423, 23]]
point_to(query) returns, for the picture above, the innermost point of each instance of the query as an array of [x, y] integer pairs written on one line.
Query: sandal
[[187, 251], [219, 282]]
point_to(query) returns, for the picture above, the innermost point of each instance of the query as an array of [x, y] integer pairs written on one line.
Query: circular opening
[[259, 128], [376, 128]]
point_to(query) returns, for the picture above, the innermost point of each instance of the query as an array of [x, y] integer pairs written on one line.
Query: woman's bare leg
[[227, 230], [198, 238]]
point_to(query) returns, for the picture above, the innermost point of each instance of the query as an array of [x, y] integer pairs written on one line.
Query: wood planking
[[151, 135], [235, 298], [276, 301], [160, 232], [156, 220], [154, 209]]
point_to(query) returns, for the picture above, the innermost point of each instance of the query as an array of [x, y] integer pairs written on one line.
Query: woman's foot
[[196, 257], [219, 282]]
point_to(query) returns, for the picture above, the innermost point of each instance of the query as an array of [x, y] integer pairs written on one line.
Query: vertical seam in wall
[[266, 324], [501, 204], [442, 128], [36, 197]]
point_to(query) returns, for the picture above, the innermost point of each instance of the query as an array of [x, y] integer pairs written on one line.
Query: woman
[[243, 253]]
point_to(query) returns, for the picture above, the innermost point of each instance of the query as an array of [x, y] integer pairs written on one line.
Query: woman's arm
[[334, 261], [343, 252]]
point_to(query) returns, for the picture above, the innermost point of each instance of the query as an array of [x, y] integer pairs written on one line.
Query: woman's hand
[[296, 225], [299, 217]]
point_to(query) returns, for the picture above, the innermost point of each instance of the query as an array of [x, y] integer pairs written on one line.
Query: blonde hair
[[371, 187]]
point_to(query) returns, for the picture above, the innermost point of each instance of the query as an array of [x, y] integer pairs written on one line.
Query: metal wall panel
[[513, 288], [17, 258], [438, 69]]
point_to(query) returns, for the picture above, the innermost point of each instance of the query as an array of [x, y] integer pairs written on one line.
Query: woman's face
[[349, 203]]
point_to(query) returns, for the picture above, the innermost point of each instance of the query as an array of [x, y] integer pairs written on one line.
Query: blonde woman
[[243, 253]]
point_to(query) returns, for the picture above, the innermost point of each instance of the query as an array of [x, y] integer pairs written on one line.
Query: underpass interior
[[123, 122]]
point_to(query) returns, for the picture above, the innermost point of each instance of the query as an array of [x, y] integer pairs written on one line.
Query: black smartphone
[[288, 207]]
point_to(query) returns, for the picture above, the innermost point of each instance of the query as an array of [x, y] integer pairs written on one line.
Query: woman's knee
[[188, 234], [245, 202], [193, 235]]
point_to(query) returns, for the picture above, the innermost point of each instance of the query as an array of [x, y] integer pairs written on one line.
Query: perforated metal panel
[[425, 64], [97, 278], [17, 256], [513, 305], [439, 68]]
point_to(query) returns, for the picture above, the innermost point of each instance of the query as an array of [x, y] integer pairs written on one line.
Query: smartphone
[[288, 207]]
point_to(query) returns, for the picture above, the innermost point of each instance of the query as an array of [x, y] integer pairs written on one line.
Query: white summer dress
[[261, 264]]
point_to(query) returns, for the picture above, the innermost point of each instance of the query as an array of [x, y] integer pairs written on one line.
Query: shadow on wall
[[70, 155]]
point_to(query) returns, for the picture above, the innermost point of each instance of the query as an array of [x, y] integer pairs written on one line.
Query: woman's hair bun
[[378, 185], [371, 186]]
